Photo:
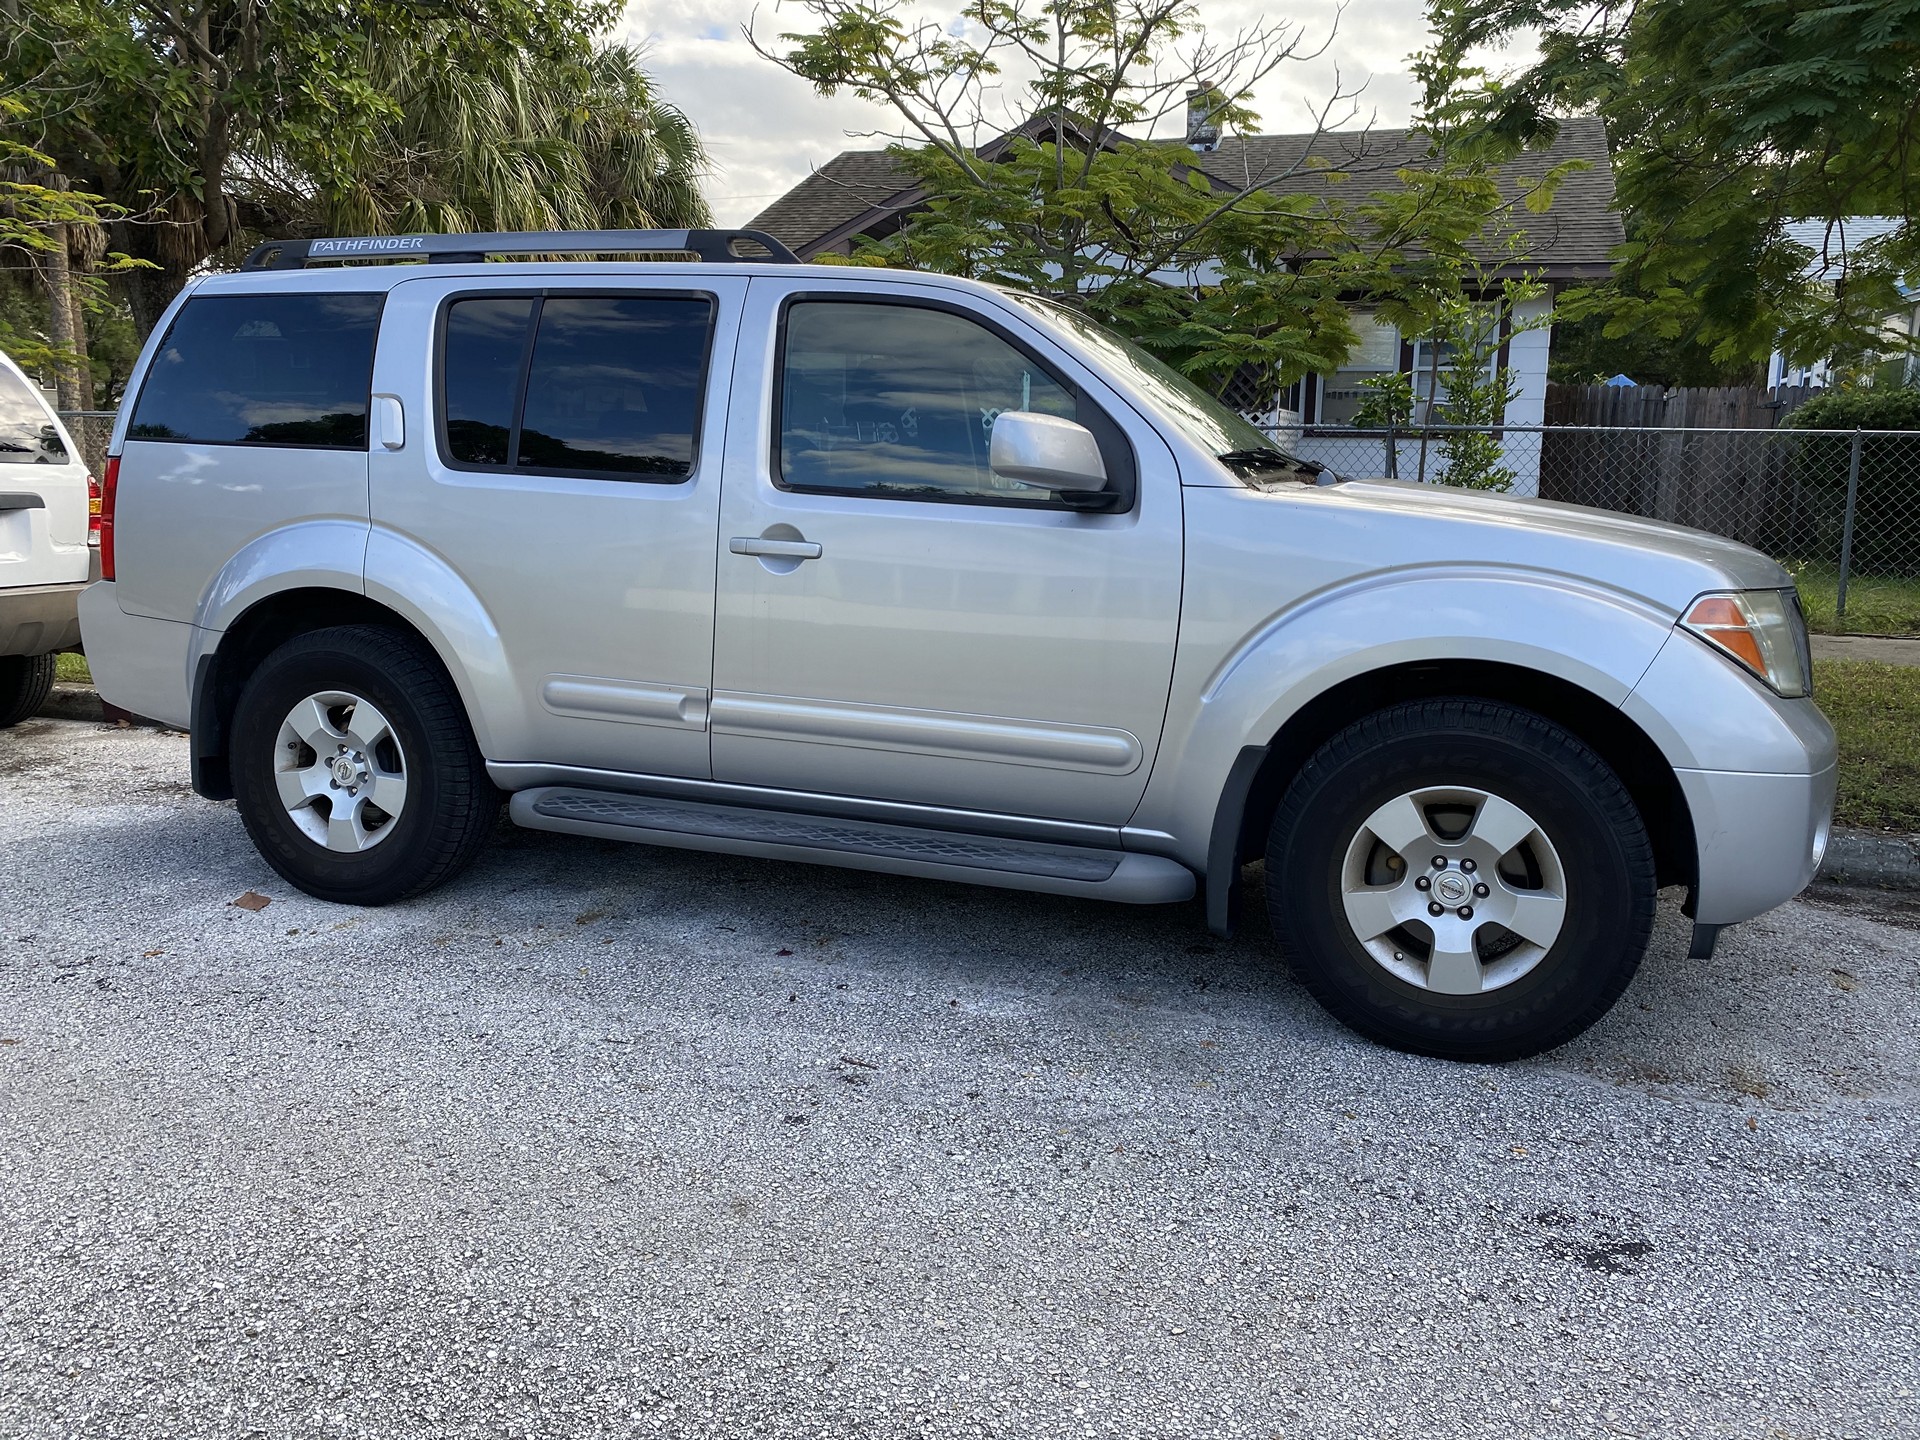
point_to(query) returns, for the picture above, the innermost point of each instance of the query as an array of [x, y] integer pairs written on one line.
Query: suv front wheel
[[1461, 878], [355, 770]]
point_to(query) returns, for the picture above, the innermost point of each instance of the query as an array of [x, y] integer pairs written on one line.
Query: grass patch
[[72, 670], [1876, 604], [1875, 709]]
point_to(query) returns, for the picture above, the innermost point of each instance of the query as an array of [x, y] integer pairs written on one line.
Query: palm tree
[[211, 126], [518, 142]]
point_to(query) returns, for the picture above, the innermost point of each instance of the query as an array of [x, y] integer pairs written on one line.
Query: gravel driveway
[[611, 1141]]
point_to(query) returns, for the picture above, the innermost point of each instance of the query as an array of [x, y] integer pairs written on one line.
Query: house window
[[1377, 353], [1430, 371]]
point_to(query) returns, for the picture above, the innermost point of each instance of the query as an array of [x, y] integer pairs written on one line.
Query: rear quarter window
[[28, 435], [278, 370]]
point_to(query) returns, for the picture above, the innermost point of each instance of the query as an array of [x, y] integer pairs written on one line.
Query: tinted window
[[893, 399], [485, 345], [263, 370], [615, 385], [27, 436]]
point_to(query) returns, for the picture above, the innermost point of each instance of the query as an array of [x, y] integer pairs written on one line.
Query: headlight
[[1763, 630]]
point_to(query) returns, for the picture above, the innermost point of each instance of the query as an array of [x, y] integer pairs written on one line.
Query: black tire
[[1581, 809], [450, 806], [25, 683]]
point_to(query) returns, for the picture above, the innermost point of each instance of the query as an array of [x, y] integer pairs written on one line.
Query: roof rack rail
[[715, 246]]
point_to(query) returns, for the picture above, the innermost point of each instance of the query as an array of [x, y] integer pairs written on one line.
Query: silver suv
[[911, 574]]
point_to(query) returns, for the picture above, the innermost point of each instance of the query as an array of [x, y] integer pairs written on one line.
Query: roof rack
[[714, 246]]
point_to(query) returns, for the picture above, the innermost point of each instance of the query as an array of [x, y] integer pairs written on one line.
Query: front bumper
[[1760, 838], [37, 619], [1758, 773]]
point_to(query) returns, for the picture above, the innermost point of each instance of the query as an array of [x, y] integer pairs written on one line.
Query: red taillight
[[109, 492], [93, 512]]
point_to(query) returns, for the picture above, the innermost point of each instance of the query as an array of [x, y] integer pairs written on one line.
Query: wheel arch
[[1262, 773], [221, 670]]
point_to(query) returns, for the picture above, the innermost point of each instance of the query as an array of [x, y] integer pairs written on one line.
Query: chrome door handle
[[790, 549]]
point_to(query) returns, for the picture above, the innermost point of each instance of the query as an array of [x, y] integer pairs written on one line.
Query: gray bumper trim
[[35, 619]]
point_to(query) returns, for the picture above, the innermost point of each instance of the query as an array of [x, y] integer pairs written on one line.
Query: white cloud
[[766, 129]]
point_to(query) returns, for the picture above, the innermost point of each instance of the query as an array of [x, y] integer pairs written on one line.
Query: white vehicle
[[45, 558], [913, 574]]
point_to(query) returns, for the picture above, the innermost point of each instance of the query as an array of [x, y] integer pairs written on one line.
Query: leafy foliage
[[39, 226], [1477, 389], [503, 138], [1886, 538], [1731, 119], [1589, 346], [1853, 408], [215, 123], [1057, 196], [1388, 404]]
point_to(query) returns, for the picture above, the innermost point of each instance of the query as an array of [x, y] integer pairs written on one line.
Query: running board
[[856, 844]]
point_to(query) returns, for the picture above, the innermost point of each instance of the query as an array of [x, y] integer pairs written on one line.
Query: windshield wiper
[[1263, 460]]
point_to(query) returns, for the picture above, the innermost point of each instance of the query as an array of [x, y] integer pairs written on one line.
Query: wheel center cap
[[1452, 889], [345, 772]]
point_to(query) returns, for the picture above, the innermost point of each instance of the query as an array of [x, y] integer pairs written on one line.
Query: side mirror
[[1044, 450]]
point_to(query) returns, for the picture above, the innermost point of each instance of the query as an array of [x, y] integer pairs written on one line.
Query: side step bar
[[856, 844]]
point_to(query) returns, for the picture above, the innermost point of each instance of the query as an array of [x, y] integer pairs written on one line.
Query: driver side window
[[899, 401]]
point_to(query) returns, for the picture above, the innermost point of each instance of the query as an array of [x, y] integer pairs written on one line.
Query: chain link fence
[[1840, 509], [91, 429]]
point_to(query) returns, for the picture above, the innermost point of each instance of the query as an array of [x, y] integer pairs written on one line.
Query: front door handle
[[787, 549]]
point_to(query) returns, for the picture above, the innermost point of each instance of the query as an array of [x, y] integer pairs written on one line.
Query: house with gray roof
[[1831, 244], [869, 194]]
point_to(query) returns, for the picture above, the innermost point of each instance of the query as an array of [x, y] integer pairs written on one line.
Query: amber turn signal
[[1763, 630]]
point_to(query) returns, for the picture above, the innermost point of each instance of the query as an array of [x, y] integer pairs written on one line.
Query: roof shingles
[[1573, 237]]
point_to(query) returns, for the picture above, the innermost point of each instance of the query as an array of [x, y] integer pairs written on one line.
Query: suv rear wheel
[[1461, 878], [25, 683], [355, 770]]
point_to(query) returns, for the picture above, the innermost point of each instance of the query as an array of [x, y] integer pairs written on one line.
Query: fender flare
[[310, 555], [393, 572], [1446, 614], [419, 585]]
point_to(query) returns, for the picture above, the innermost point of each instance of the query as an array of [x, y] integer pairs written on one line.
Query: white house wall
[[1527, 355], [1526, 362]]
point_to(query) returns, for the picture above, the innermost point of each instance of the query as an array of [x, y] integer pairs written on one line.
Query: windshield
[[1196, 414]]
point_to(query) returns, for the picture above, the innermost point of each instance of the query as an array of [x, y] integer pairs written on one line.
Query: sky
[[766, 129]]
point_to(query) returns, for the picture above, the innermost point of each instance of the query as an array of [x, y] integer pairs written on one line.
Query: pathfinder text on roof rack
[[712, 246]]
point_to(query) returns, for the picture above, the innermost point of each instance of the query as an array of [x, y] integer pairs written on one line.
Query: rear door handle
[[789, 549], [390, 422]]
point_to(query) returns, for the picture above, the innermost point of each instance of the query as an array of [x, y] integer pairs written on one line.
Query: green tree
[[1065, 191], [1731, 119], [215, 123], [1590, 346], [47, 230], [503, 139]]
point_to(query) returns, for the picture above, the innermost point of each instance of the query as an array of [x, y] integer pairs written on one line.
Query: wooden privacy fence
[[1716, 407], [1702, 457]]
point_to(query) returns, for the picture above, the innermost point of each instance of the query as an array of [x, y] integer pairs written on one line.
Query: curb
[[73, 702], [1854, 857], [83, 702], [1866, 857]]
